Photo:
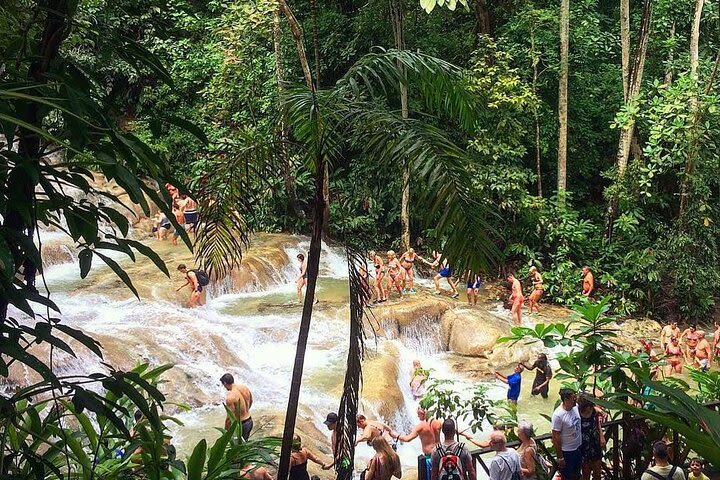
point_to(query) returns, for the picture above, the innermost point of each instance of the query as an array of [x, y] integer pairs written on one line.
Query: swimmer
[[238, 401], [704, 351], [670, 330], [473, 288], [444, 271], [690, 335], [674, 355]]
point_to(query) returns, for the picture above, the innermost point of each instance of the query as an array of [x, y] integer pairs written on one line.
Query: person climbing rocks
[[197, 279]]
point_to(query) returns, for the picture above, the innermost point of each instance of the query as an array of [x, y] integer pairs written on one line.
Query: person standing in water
[[299, 457], [690, 335], [301, 279], [238, 401], [372, 429], [543, 374], [395, 275], [407, 261], [417, 381], [538, 290], [380, 293], [179, 218], [192, 218], [428, 430], [670, 330], [674, 355], [514, 381], [703, 353], [444, 271], [516, 298], [197, 279], [588, 282], [473, 288]]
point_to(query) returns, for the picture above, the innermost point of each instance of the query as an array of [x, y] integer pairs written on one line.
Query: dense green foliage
[[660, 260]]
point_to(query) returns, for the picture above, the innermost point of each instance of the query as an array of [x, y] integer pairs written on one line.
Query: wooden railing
[[619, 461]]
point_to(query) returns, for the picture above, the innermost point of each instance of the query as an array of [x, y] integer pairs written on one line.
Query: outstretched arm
[[501, 377], [479, 443], [410, 436]]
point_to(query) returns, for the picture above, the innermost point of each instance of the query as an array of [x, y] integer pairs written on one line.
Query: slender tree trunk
[[632, 85], [535, 60], [694, 62], [625, 45], [316, 41], [563, 95], [288, 177], [482, 18], [671, 57], [397, 16], [313, 261]]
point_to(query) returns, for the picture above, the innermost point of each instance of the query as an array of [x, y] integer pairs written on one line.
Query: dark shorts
[[199, 288], [543, 391], [247, 426], [445, 272], [192, 218], [165, 224], [428, 467], [573, 462]]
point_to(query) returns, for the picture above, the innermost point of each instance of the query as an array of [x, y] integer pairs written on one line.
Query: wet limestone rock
[[381, 392], [632, 330], [472, 332]]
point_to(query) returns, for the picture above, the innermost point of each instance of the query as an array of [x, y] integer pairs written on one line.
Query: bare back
[[235, 401], [429, 433]]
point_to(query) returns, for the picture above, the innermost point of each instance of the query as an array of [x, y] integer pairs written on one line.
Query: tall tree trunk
[[671, 57], [482, 18], [286, 166], [535, 60], [694, 62], [563, 95], [313, 261], [632, 90], [397, 16], [625, 45]]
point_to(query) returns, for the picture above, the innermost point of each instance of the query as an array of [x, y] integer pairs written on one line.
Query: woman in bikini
[[674, 358], [407, 261], [538, 290], [395, 275], [385, 464], [691, 340], [380, 293], [301, 279]]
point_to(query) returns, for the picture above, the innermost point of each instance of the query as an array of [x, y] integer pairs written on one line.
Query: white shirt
[[504, 464], [567, 422]]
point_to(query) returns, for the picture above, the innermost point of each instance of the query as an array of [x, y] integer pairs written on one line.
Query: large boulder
[[381, 392], [472, 332]]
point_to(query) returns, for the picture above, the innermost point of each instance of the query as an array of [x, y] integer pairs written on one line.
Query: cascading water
[[250, 332]]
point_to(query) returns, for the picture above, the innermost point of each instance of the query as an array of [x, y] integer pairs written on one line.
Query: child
[[696, 470]]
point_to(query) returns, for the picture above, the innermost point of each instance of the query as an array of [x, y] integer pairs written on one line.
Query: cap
[[331, 418]]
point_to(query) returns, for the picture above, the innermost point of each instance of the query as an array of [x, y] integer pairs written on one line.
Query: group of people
[[517, 299], [184, 209], [697, 351]]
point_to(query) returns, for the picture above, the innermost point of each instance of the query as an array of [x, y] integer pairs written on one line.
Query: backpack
[[514, 474], [202, 277], [450, 464], [660, 477]]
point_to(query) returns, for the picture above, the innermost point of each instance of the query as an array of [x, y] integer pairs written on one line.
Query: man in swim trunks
[[372, 429], [516, 298], [703, 352], [429, 432], [239, 401], [192, 218], [669, 331], [690, 335], [588, 282], [196, 295], [538, 290], [514, 381], [543, 375], [716, 341], [179, 218]]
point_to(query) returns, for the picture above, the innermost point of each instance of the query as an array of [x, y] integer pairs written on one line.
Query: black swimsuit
[[299, 472]]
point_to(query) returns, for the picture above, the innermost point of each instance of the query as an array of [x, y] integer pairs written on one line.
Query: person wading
[[197, 279], [428, 430], [238, 401]]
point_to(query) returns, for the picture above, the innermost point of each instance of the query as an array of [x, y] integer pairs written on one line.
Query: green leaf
[[196, 462], [428, 5], [189, 127], [119, 272], [149, 253], [85, 260], [89, 342]]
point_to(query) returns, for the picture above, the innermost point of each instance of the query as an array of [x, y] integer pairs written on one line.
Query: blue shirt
[[514, 384]]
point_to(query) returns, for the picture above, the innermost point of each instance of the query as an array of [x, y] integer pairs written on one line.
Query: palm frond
[[346, 427]]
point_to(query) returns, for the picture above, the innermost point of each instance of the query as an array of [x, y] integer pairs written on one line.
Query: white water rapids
[[251, 334]]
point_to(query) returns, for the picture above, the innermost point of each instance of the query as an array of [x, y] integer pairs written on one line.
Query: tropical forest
[[315, 239]]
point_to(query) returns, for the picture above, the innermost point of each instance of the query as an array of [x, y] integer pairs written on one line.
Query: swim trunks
[[247, 426], [445, 272], [191, 217]]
